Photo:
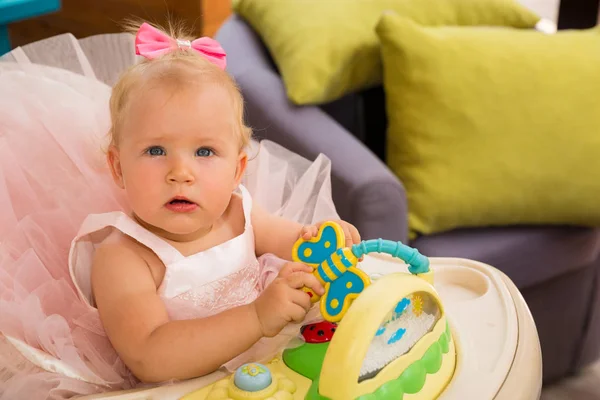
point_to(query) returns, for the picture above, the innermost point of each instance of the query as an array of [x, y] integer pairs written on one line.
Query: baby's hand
[[283, 301], [350, 232]]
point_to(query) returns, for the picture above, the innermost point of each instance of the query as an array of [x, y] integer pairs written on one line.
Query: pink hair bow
[[151, 43]]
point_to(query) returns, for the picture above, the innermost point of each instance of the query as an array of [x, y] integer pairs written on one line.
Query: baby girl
[[193, 278], [174, 272]]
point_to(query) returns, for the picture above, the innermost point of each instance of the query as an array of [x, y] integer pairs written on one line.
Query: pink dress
[[55, 186]]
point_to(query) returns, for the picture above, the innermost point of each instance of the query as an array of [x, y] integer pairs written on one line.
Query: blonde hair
[[178, 69]]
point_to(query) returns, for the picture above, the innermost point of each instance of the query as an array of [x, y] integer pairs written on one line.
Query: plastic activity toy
[[335, 266], [403, 347]]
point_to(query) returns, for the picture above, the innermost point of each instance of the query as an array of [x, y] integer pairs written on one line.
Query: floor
[[586, 386]]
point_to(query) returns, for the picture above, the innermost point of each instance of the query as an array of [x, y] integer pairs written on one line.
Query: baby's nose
[[180, 174], [181, 178]]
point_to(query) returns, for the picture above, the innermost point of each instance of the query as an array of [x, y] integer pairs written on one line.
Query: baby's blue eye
[[156, 151], [204, 152]]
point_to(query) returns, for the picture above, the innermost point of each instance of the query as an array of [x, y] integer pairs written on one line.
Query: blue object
[[17, 10], [401, 306], [334, 265], [398, 310], [347, 284], [252, 377], [397, 336], [317, 252], [417, 263]]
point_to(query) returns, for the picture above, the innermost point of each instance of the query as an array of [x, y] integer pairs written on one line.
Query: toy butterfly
[[335, 267]]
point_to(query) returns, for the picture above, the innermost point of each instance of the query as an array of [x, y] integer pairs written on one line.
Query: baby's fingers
[[294, 267], [351, 234], [300, 298], [354, 234], [300, 280], [309, 232], [313, 283], [297, 313]]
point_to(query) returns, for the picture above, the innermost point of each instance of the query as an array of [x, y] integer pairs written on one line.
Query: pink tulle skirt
[[53, 126]]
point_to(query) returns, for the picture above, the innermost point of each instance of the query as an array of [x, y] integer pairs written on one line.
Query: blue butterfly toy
[[335, 266]]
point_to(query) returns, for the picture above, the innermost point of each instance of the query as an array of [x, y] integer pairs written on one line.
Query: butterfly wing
[[316, 250], [342, 292]]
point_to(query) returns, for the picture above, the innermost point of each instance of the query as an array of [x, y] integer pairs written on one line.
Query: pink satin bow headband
[[151, 43]]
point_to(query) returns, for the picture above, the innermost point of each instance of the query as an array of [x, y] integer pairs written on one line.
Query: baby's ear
[[114, 163], [242, 162]]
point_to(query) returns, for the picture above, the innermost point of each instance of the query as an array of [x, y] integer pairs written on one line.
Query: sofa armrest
[[365, 191]]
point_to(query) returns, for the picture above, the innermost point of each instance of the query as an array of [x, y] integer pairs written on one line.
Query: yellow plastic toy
[[403, 347], [335, 266]]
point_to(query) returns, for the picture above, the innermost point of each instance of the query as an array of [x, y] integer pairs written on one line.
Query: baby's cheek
[[218, 175], [143, 184]]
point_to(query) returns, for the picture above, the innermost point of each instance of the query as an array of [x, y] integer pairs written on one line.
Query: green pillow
[[493, 126], [327, 48]]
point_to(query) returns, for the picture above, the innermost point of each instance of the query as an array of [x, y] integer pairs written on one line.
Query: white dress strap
[[84, 245], [121, 221]]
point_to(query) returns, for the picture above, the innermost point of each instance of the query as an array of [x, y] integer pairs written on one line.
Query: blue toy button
[[252, 377]]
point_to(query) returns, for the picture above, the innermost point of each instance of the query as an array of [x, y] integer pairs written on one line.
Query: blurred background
[[89, 17], [84, 18]]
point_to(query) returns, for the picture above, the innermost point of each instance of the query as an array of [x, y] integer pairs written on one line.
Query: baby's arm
[[274, 234], [153, 347], [277, 235]]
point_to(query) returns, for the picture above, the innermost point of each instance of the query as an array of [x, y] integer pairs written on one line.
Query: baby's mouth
[[181, 205], [180, 200]]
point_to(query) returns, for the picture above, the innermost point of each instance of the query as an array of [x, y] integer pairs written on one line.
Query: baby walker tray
[[402, 327]]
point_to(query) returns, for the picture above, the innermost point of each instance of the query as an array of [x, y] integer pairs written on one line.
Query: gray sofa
[[556, 268]]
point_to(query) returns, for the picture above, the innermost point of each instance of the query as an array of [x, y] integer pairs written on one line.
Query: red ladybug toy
[[319, 332]]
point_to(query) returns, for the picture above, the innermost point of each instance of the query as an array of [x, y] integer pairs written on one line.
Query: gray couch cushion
[[528, 255], [365, 191]]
